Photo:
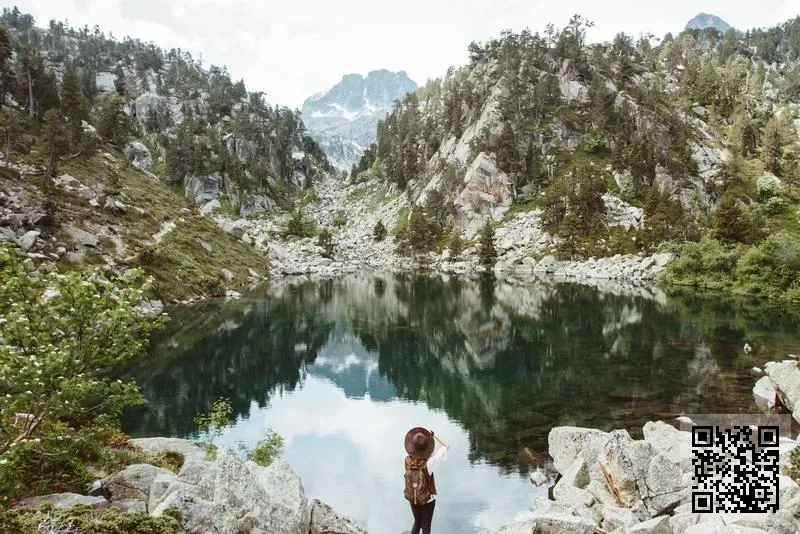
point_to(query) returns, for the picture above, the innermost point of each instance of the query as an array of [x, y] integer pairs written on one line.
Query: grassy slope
[[179, 264]]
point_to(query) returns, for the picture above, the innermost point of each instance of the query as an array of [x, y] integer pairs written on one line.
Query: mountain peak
[[707, 20], [345, 117]]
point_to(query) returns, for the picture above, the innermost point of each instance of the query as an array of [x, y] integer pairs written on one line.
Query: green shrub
[[379, 232], [340, 218], [325, 241], [487, 254], [267, 449], [300, 226], [82, 519], [456, 247], [211, 423]]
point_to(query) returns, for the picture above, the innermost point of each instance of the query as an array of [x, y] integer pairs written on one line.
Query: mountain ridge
[[702, 21], [343, 119]]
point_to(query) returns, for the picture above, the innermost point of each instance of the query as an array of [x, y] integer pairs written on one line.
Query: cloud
[[291, 50]]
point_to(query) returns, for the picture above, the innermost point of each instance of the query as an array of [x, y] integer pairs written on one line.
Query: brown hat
[[419, 443]]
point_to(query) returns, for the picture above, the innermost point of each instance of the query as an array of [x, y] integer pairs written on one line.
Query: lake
[[343, 367]]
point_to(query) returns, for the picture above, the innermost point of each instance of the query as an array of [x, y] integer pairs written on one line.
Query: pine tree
[[119, 81], [113, 125], [325, 241], [487, 254], [729, 221], [379, 231], [6, 72], [10, 126], [72, 104]]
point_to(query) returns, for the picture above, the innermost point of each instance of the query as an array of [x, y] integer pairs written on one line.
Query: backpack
[[419, 483]]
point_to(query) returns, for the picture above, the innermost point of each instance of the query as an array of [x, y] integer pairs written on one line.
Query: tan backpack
[[419, 483]]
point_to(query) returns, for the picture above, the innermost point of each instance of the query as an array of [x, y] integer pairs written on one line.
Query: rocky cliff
[[343, 119]]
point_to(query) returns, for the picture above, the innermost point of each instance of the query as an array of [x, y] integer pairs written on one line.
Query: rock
[[538, 478], [657, 525], [765, 394], [567, 444], [231, 294], [65, 500], [226, 274], [254, 275], [94, 202], [271, 499], [254, 204], [189, 449], [550, 523], [28, 239], [134, 482], [785, 377], [148, 103], [620, 213], [130, 505], [7, 235], [486, 196], [76, 258], [202, 188], [204, 245], [615, 517], [197, 514], [325, 521], [95, 489], [210, 207], [81, 237], [139, 155], [152, 306]]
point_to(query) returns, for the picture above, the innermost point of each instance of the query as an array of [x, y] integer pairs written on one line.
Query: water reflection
[[342, 367]]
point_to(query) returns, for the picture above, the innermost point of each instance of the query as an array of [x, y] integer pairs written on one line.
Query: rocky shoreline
[[225, 495]]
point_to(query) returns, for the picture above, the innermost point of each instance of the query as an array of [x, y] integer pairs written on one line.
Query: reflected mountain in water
[[506, 360]]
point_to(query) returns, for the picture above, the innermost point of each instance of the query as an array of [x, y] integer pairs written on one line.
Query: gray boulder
[[254, 204], [139, 155], [657, 525], [325, 521], [567, 444], [130, 505], [202, 188], [785, 377], [65, 500], [271, 499], [28, 239], [550, 523], [189, 449], [134, 482], [210, 207], [81, 237]]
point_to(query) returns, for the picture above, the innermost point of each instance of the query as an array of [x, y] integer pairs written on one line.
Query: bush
[[325, 241], [267, 449], [300, 226], [62, 336], [340, 218], [487, 254], [83, 519], [211, 423], [379, 232], [456, 247]]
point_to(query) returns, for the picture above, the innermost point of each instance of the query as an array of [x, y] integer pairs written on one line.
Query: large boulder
[[65, 500], [81, 237], [486, 196], [254, 204], [785, 378], [202, 188], [549, 523], [148, 103], [324, 520], [189, 449], [567, 444], [271, 499], [134, 482], [139, 155]]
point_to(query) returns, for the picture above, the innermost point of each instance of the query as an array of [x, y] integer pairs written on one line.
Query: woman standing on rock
[[420, 488]]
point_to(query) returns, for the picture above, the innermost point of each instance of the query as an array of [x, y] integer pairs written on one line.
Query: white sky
[[291, 49]]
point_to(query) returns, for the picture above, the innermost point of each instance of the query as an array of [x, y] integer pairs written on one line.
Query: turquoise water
[[342, 368]]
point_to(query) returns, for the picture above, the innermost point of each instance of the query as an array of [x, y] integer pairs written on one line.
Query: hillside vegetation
[[108, 145], [693, 139]]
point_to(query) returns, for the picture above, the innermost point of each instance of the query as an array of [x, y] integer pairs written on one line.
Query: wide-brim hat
[[419, 447]]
